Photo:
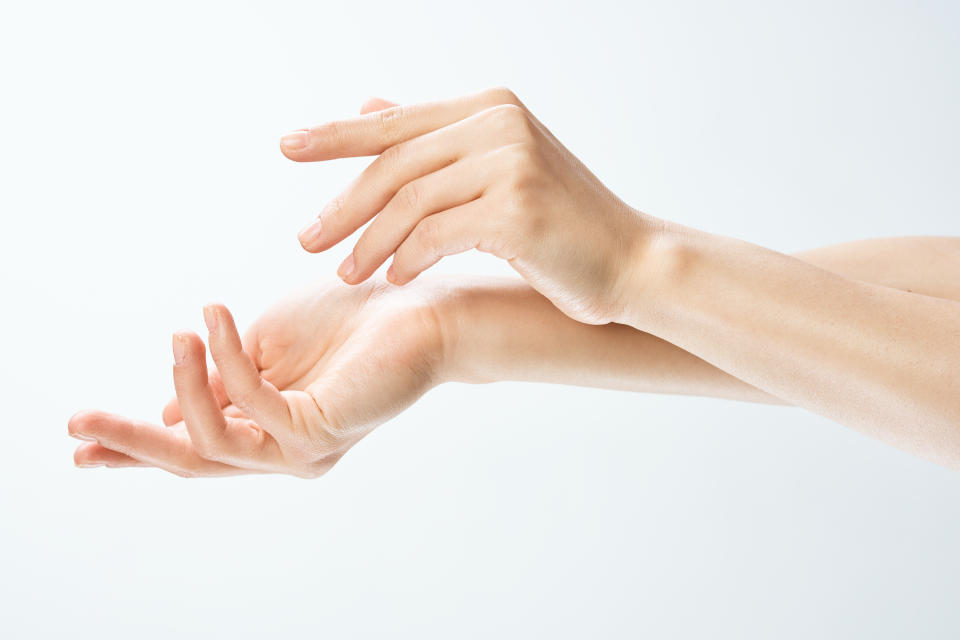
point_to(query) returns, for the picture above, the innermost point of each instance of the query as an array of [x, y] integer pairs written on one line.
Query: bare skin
[[867, 333], [363, 354]]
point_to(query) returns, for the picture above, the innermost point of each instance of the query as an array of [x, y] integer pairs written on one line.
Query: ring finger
[[454, 185]]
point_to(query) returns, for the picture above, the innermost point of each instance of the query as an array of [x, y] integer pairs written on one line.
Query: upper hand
[[475, 172], [310, 378]]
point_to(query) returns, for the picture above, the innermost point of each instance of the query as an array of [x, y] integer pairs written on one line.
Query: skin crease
[[864, 333]]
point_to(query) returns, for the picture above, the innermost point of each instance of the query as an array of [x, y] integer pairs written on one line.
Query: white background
[[141, 179]]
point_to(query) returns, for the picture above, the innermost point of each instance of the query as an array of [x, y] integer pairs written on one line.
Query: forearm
[[876, 358], [921, 264], [501, 329]]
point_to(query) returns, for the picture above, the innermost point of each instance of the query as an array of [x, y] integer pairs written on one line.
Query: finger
[[398, 166], [168, 449], [235, 442], [253, 395], [172, 413], [231, 411], [442, 234], [375, 104], [93, 454], [372, 133], [449, 187], [251, 344]]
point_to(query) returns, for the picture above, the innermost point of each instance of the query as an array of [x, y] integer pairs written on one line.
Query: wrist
[[423, 315], [479, 321], [450, 330], [453, 326], [655, 261], [460, 320]]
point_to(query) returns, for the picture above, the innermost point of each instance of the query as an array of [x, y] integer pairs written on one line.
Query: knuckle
[[507, 113], [390, 121], [332, 131], [392, 159], [501, 95], [242, 401], [512, 121], [332, 209], [410, 196], [428, 233], [244, 396]]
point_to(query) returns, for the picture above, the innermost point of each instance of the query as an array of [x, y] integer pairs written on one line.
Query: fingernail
[[179, 348], [89, 465], [85, 438], [310, 233], [210, 318], [347, 267], [295, 140]]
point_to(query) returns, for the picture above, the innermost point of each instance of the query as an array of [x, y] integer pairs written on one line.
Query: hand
[[310, 378], [475, 172]]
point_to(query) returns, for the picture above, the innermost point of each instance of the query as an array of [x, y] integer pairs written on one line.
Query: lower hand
[[311, 377]]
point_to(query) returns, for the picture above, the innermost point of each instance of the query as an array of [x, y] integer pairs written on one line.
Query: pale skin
[[866, 333]]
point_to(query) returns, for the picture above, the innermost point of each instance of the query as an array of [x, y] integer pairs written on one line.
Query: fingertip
[[186, 345], [394, 278], [293, 144], [369, 104], [347, 269], [179, 345], [79, 424], [309, 236], [171, 413], [391, 275], [224, 317], [359, 277], [82, 456], [223, 330], [374, 103], [210, 317]]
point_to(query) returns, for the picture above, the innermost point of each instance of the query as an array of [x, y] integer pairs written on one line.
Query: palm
[[333, 363], [361, 353]]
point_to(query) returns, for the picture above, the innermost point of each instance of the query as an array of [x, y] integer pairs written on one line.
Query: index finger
[[373, 133]]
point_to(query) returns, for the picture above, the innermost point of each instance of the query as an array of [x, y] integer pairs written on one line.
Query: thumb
[[375, 104]]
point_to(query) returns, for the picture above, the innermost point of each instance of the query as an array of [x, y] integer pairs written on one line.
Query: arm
[[879, 359], [504, 330], [482, 172], [317, 347], [921, 264], [501, 329]]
